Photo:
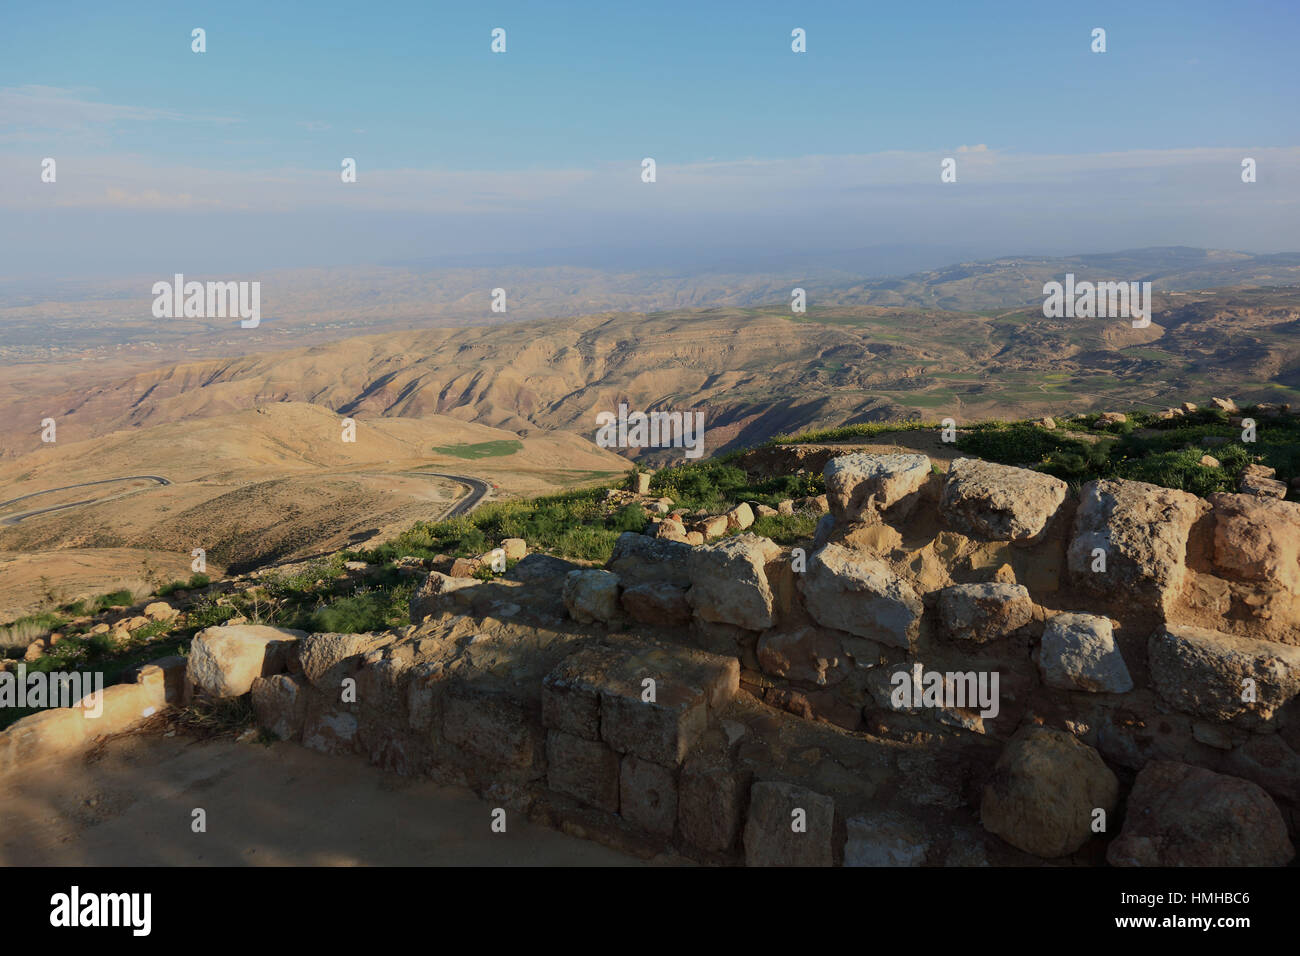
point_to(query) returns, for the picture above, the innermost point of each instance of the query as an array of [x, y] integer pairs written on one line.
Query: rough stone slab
[[1078, 652], [658, 604], [770, 838], [329, 727], [1142, 530], [571, 691], [642, 559], [661, 731], [729, 583], [585, 769], [859, 593], [328, 658], [648, 795], [1204, 672], [1257, 539], [493, 725], [888, 839], [1179, 815], [710, 806], [280, 702], [224, 661], [984, 612], [861, 486], [999, 502], [591, 595]]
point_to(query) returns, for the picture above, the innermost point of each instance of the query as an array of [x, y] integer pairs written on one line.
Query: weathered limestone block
[[1000, 502], [494, 725], [586, 769], [859, 593], [1257, 539], [280, 702], [648, 795], [591, 595], [329, 726], [789, 826], [651, 700], [711, 804], [657, 604], [571, 691], [860, 486], [729, 584], [224, 661], [1141, 530], [1179, 815], [329, 658], [984, 612], [1078, 652], [1043, 792], [1214, 675]]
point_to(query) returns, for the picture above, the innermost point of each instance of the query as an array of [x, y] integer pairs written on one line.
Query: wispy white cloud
[[24, 109]]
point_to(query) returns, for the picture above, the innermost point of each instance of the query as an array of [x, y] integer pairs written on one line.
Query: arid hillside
[[269, 482], [753, 372]]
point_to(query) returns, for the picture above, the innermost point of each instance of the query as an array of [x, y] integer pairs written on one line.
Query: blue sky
[[542, 145]]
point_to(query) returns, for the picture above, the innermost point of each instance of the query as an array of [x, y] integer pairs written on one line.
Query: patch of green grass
[[484, 449], [26, 629], [195, 582], [122, 598], [848, 432], [375, 609], [785, 529]]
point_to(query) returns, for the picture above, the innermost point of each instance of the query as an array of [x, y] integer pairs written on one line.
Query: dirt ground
[[277, 805]]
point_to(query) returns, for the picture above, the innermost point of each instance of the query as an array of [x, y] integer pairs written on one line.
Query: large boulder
[[1141, 531], [860, 486], [984, 612], [224, 661], [1180, 815], [641, 559], [859, 593], [1215, 675], [729, 581], [1043, 792], [1078, 652], [591, 595], [1257, 539], [999, 502]]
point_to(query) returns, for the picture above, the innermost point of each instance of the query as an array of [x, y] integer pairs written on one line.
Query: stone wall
[[974, 668]]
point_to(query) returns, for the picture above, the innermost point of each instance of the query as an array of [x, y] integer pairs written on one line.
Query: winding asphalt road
[[478, 490], [24, 515]]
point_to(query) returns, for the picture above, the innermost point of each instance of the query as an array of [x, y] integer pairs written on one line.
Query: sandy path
[[266, 805]]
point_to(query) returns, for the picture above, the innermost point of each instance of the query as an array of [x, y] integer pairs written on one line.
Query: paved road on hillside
[[24, 515], [478, 490]]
